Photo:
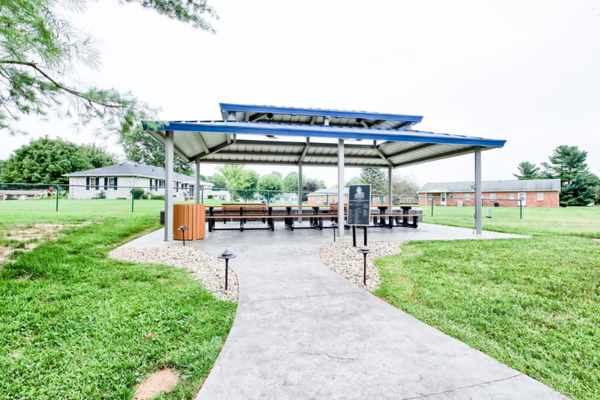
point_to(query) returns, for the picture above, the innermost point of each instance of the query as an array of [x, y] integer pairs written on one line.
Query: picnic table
[[244, 211]]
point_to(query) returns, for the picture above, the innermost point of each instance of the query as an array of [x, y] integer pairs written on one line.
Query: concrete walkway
[[303, 332]]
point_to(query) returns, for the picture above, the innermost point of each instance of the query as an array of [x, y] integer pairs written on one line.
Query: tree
[[270, 182], [140, 146], [45, 161], [404, 185], [353, 181], [581, 190], [309, 187], [290, 182], [376, 178], [565, 163], [528, 171], [38, 53], [597, 195], [247, 193], [219, 181], [278, 173]]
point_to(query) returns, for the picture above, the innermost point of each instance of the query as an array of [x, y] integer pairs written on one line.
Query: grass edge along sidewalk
[[76, 324], [533, 304]]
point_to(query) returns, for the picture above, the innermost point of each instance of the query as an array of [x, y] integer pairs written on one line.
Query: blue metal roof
[[332, 132], [226, 107]]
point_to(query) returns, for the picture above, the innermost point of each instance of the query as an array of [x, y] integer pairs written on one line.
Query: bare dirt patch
[[31, 235], [161, 381]]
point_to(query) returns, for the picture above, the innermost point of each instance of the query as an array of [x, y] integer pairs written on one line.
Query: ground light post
[[227, 255], [364, 251], [334, 226], [183, 228]]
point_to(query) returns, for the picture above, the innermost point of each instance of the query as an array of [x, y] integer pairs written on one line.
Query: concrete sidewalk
[[303, 332]]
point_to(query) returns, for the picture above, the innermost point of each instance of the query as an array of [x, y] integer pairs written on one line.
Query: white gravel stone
[[204, 267], [344, 259]]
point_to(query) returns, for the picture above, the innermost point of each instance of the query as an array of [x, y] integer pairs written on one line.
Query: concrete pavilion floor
[[303, 332]]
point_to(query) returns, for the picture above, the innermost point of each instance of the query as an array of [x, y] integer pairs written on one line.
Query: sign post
[[359, 207]]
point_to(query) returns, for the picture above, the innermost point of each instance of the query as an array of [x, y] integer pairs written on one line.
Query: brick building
[[534, 193]]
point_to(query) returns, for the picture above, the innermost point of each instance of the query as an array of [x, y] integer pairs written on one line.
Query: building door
[[443, 199], [522, 197]]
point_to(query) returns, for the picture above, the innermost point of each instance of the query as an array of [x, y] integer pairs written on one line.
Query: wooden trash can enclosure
[[192, 217]]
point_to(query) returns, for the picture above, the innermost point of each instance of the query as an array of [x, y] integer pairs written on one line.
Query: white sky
[[524, 71]]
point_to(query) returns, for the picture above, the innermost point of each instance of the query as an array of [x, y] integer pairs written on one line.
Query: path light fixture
[[334, 226], [183, 228], [227, 255], [364, 251]]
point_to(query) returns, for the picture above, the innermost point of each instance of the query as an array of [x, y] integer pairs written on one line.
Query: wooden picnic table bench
[[245, 211]]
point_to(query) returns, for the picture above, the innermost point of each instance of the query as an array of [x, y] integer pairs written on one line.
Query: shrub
[[157, 197], [210, 196], [138, 193], [101, 195], [563, 204]]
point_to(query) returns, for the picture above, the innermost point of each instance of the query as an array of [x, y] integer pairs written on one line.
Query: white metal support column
[[390, 187], [197, 190], [341, 187], [300, 191], [478, 210], [169, 144]]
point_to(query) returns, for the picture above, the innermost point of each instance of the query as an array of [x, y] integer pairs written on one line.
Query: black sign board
[[359, 205]]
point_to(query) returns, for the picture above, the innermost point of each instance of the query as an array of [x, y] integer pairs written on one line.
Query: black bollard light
[[183, 228], [364, 251], [334, 226], [227, 255]]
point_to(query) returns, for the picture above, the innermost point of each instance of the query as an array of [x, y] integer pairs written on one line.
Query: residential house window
[[492, 196], [112, 183], [451, 196], [105, 183], [511, 196], [95, 182], [467, 196], [540, 196]]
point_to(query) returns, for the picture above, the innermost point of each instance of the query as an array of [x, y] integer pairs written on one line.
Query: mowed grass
[[533, 304], [75, 324]]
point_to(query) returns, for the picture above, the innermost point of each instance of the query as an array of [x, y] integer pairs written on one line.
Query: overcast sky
[[526, 72]]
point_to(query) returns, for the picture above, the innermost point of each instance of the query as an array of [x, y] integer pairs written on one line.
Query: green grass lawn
[[533, 304], [73, 323]]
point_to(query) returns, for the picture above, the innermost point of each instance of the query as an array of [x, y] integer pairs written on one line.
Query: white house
[[116, 181]]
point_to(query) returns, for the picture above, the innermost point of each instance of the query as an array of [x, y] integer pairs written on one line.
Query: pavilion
[[250, 134]]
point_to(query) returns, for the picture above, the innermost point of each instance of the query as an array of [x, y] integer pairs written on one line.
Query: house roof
[[534, 185], [322, 192], [129, 168]]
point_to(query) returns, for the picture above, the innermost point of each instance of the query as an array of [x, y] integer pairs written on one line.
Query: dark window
[[105, 183], [115, 184]]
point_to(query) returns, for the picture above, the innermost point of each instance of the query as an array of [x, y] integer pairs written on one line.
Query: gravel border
[[209, 270], [344, 260]]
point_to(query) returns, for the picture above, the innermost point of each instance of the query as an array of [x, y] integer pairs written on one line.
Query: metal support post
[[432, 205], [202, 196], [390, 187], [341, 200], [169, 146], [478, 210], [520, 207], [197, 184], [132, 197], [57, 194], [300, 188], [365, 239], [353, 236]]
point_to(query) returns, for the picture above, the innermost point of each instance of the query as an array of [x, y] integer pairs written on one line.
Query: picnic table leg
[[242, 220], [404, 218]]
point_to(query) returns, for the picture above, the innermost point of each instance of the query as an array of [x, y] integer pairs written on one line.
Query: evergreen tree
[[39, 50], [527, 171], [376, 178], [565, 163]]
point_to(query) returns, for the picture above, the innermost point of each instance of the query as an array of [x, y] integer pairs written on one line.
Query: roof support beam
[[415, 148], [272, 143], [203, 143], [381, 154], [313, 120], [212, 151], [304, 164], [460, 152], [257, 117], [302, 157], [304, 152]]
